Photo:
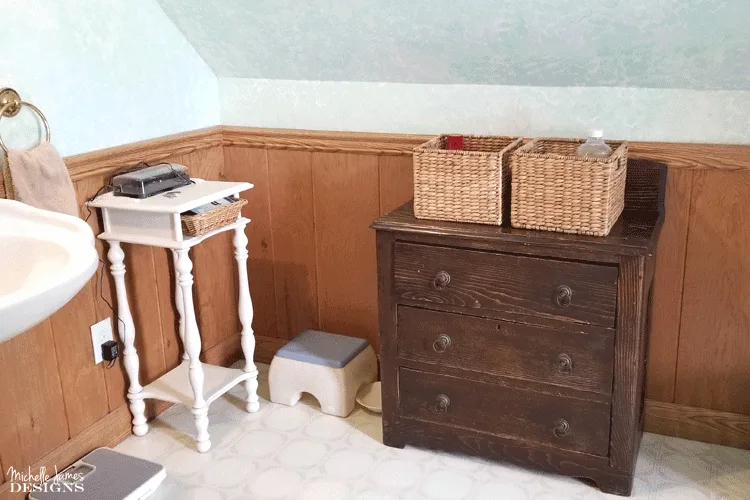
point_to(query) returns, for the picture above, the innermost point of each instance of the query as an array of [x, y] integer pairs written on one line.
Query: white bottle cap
[[597, 134]]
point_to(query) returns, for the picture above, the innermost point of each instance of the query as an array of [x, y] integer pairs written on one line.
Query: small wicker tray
[[200, 224], [468, 185], [553, 189]]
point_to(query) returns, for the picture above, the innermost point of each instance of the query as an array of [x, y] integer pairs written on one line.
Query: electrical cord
[[101, 295], [98, 192]]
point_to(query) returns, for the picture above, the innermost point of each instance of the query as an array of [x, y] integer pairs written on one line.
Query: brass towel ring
[[11, 104]]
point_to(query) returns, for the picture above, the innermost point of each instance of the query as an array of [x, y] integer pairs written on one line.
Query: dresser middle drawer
[[572, 359]]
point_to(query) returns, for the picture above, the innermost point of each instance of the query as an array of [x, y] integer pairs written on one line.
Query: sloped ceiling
[[689, 44]]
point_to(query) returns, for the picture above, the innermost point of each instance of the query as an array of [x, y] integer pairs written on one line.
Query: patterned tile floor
[[300, 453]]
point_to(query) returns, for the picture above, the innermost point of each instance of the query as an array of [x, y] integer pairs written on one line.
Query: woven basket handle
[[623, 162]]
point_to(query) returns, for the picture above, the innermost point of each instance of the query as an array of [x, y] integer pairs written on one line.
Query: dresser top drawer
[[476, 280], [581, 361], [570, 424]]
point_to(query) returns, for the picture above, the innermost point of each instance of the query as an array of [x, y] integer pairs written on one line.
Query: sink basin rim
[[81, 259]]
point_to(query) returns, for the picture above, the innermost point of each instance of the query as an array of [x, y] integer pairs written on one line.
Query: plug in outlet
[[101, 333]]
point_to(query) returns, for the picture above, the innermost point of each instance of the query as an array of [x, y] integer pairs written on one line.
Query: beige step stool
[[331, 367]]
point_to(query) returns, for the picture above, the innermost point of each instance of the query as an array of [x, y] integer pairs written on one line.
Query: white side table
[[155, 221]]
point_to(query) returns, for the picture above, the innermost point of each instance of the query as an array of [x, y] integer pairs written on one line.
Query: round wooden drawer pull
[[442, 402], [564, 364], [441, 280], [563, 296], [441, 343], [562, 428]]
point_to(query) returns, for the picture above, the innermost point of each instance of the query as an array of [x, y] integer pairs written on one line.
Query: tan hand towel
[[40, 179]]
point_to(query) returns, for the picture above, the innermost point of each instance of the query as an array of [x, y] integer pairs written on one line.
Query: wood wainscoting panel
[[396, 181], [83, 383], [214, 268], [346, 188], [667, 287], [251, 165], [168, 319], [143, 298], [713, 367], [293, 232], [32, 407], [203, 163]]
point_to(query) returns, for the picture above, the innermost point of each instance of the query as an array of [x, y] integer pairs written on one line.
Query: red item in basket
[[455, 141]]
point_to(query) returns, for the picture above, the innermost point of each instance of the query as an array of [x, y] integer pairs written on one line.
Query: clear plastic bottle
[[594, 146]]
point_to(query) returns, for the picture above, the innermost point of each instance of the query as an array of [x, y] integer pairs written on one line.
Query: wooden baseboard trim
[[108, 160], [266, 347], [698, 424], [225, 352], [115, 427]]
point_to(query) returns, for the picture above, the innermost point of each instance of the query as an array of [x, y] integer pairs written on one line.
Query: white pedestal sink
[[45, 259]]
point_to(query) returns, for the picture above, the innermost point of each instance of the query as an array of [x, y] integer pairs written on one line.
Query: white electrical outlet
[[101, 333]]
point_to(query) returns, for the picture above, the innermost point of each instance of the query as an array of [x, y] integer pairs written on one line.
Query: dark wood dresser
[[518, 345]]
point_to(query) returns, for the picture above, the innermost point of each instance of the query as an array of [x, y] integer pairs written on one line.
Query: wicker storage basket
[[200, 224], [553, 189], [468, 185]]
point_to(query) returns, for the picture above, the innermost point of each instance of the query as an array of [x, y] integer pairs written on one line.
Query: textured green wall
[[687, 44]]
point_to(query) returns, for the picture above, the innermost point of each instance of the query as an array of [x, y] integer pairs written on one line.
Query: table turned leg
[[184, 268], [126, 330], [245, 310], [180, 305]]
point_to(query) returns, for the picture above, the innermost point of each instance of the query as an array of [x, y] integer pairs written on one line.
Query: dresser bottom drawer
[[565, 423]]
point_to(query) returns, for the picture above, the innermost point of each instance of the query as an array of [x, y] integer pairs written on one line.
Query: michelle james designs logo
[[26, 481]]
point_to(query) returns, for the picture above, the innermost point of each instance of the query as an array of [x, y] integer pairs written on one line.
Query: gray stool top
[[321, 348]]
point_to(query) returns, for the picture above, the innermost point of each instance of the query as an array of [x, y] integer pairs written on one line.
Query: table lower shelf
[[174, 386]]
